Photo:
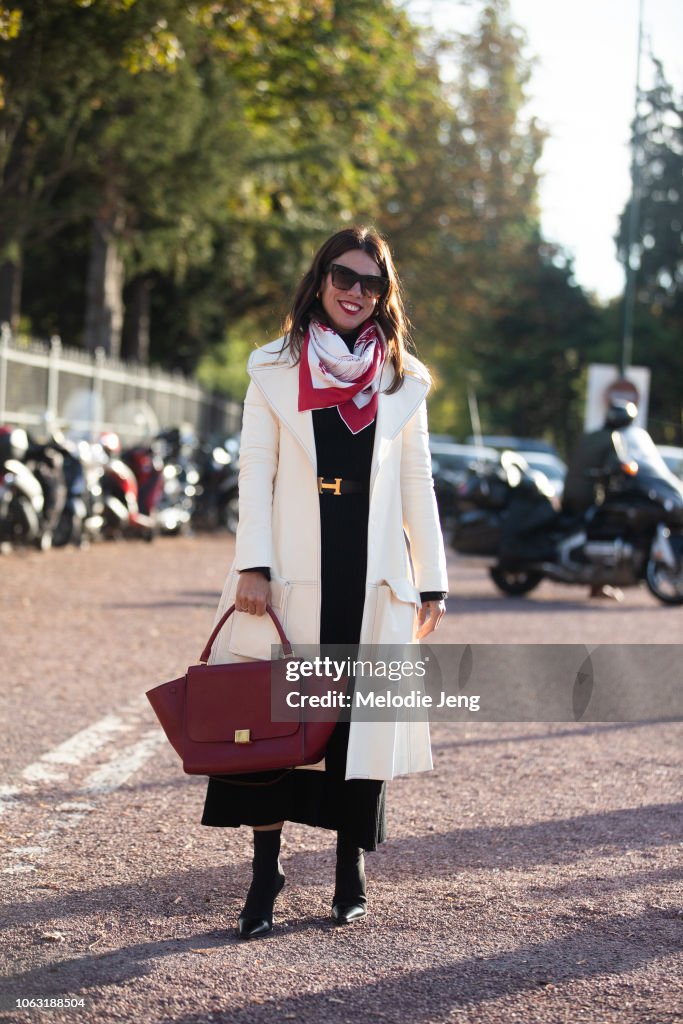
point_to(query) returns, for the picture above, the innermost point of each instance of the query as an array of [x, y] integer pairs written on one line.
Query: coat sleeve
[[259, 452], [420, 514]]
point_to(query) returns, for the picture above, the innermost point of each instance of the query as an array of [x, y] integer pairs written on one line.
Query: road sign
[[606, 384]]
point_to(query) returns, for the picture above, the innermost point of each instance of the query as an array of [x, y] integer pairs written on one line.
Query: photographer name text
[[386, 699]]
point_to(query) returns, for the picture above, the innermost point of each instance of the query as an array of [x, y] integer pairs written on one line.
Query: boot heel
[[253, 927]]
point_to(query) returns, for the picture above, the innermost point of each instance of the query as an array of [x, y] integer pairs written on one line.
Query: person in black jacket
[[593, 454]]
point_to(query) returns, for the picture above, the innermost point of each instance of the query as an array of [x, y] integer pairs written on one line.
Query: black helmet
[[620, 414]]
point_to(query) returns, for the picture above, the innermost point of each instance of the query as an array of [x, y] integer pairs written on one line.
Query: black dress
[[322, 799]]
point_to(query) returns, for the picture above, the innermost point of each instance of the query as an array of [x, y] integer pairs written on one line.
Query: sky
[[583, 92]]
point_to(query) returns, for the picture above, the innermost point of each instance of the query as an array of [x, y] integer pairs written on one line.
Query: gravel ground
[[533, 876]]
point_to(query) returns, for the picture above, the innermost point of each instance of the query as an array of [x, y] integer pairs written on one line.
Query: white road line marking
[[105, 779], [50, 767], [53, 765], [8, 797], [124, 764]]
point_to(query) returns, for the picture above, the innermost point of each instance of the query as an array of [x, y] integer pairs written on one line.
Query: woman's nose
[[355, 289]]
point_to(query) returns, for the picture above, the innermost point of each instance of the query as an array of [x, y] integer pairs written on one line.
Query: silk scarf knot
[[331, 375]]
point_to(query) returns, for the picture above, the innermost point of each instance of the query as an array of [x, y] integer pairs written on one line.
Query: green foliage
[[658, 253], [225, 367], [659, 244], [543, 334], [465, 216]]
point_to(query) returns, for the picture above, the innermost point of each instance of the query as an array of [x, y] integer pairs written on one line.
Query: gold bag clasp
[[242, 735]]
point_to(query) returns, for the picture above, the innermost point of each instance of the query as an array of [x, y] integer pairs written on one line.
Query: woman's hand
[[252, 594], [429, 616]]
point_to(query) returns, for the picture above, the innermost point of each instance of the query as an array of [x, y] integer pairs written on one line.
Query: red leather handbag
[[218, 718]]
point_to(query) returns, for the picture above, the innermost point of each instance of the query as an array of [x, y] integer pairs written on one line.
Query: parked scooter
[[82, 515], [123, 495], [633, 531], [22, 498], [177, 501], [148, 466], [218, 499]]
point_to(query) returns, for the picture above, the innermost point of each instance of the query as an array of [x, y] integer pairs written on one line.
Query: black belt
[[338, 485]]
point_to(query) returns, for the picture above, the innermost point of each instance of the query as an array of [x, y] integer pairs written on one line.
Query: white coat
[[279, 526]]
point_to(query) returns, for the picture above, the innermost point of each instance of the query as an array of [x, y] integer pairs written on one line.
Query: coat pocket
[[395, 621]]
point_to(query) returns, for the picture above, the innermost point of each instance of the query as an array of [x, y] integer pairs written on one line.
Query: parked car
[[516, 444], [673, 457], [450, 465]]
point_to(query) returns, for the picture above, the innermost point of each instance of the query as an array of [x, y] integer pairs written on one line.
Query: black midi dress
[[322, 798]]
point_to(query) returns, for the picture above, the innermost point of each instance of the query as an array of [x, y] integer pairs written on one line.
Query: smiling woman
[[335, 474], [351, 287]]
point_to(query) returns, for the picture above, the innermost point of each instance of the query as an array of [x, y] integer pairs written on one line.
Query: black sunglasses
[[371, 285]]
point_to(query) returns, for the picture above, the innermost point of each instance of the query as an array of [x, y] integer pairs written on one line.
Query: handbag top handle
[[286, 646]]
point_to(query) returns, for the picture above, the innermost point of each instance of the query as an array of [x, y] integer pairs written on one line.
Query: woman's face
[[349, 309]]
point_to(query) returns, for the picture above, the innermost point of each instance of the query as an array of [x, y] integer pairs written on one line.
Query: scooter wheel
[[67, 531], [515, 582]]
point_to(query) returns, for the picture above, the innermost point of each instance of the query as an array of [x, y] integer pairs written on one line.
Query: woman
[[335, 472]]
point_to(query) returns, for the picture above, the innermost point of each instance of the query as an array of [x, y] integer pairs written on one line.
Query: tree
[[468, 211], [542, 332], [658, 251], [56, 62]]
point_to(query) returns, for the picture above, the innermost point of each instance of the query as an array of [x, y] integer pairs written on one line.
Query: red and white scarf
[[331, 375]]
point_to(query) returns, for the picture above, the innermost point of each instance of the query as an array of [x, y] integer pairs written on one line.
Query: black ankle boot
[[349, 902], [268, 879]]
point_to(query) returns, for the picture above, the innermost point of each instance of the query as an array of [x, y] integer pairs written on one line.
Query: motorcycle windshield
[[640, 447]]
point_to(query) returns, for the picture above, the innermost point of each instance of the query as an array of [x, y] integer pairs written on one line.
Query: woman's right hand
[[252, 594]]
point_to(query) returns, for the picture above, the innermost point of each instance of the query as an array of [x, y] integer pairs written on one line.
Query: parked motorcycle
[[22, 498], [633, 531]]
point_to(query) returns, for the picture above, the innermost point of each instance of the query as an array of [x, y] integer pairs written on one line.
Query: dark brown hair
[[389, 312]]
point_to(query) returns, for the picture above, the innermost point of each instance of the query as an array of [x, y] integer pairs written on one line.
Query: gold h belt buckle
[[335, 487]]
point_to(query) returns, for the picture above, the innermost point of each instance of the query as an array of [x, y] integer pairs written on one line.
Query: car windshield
[[450, 458]]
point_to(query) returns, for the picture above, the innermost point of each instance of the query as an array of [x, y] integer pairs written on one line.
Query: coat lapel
[[393, 412], [279, 384]]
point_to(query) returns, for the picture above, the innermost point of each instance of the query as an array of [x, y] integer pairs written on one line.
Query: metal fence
[[44, 385]]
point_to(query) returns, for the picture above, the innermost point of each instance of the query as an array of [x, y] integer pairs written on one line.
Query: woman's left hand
[[429, 616]]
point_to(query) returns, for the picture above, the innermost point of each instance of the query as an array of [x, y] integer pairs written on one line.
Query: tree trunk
[[104, 295], [136, 325], [10, 293]]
